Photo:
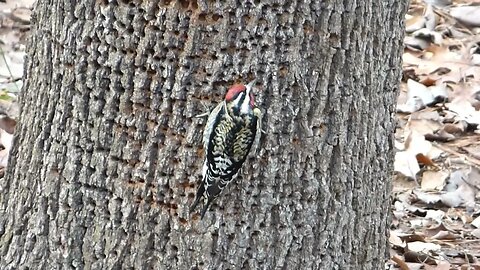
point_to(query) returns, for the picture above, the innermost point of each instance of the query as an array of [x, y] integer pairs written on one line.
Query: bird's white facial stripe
[[239, 97], [245, 107]]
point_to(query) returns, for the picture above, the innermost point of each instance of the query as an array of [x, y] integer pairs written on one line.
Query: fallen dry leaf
[[443, 136], [444, 235], [406, 164], [415, 23], [442, 265], [400, 263], [476, 233], [476, 222], [8, 124], [422, 247], [465, 111], [6, 140], [22, 15], [439, 3], [463, 196], [395, 240], [436, 215], [9, 68], [467, 14], [422, 159], [433, 180]]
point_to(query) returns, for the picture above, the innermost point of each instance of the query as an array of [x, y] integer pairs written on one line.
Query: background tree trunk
[[108, 153]]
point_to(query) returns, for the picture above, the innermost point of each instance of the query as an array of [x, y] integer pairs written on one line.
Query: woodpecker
[[231, 129]]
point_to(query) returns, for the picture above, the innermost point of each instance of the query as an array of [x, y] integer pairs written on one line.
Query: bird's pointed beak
[[250, 85]]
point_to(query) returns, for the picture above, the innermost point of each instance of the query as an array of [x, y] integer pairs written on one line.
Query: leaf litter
[[436, 187], [14, 27], [435, 210]]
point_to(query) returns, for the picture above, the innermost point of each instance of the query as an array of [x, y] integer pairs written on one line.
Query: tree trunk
[[108, 153]]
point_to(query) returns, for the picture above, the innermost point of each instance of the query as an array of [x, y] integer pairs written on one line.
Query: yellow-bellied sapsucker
[[231, 129]]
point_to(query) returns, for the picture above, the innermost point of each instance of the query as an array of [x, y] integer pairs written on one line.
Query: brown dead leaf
[[8, 124], [455, 129], [467, 14], [433, 230], [440, 136], [4, 154], [395, 240], [10, 68], [421, 255], [470, 266], [22, 15], [6, 140], [414, 23], [408, 237], [424, 247], [416, 143], [476, 222], [464, 92], [436, 215], [415, 266], [430, 18], [447, 149], [417, 43], [476, 233], [416, 89], [463, 196], [435, 77], [445, 235], [458, 214], [448, 67], [423, 125], [443, 54], [406, 164], [403, 183], [440, 57], [472, 150], [10, 109], [429, 80], [433, 180], [422, 159], [473, 177], [465, 111], [413, 104], [428, 198], [399, 261], [442, 265], [438, 3], [12, 4]]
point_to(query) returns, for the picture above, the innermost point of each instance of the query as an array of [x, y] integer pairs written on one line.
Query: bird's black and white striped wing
[[211, 122]]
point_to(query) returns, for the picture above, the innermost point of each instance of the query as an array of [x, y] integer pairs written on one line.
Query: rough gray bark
[[107, 153]]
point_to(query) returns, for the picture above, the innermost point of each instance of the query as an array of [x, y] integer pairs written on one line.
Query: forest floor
[[14, 28], [435, 210]]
